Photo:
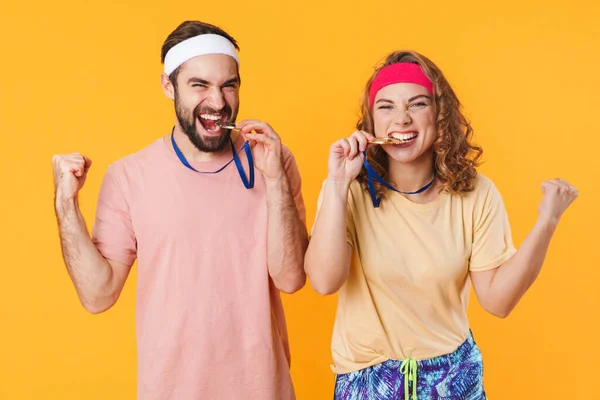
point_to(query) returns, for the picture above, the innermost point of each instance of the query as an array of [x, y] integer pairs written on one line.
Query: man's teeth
[[404, 136], [211, 117]]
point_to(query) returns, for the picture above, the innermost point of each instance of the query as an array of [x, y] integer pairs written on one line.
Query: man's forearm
[[91, 273], [287, 237]]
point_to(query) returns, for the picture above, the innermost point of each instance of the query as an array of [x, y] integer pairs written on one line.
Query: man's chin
[[211, 142], [203, 133]]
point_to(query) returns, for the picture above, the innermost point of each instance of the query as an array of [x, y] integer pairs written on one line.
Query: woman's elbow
[[323, 285], [325, 281], [324, 290], [499, 310]]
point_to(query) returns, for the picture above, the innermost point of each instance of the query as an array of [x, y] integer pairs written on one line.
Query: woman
[[401, 234]]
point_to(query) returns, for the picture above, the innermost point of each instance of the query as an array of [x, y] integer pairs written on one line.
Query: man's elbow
[[291, 286], [98, 305], [94, 308]]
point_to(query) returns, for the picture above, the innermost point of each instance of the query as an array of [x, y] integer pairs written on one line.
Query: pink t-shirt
[[210, 323]]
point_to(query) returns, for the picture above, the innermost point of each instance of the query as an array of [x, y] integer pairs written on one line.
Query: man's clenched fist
[[70, 171]]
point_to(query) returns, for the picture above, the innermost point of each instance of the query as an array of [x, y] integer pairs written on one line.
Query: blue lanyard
[[371, 174], [236, 158]]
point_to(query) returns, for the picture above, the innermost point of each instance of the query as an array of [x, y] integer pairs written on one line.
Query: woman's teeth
[[404, 136]]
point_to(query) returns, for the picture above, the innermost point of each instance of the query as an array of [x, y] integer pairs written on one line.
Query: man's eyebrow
[[230, 81], [198, 80]]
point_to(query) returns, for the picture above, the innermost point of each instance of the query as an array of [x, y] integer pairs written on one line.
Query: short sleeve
[[350, 229], [492, 238], [113, 233], [293, 174]]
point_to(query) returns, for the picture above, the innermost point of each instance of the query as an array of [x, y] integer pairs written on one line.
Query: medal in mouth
[[211, 123]]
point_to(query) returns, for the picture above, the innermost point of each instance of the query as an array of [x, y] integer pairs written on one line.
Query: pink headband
[[398, 73]]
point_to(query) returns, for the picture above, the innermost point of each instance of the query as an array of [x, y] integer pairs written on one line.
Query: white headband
[[198, 46]]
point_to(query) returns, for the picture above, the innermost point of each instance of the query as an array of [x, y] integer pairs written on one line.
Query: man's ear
[[167, 86]]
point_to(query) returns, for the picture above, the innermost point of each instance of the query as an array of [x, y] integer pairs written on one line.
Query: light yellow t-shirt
[[408, 287]]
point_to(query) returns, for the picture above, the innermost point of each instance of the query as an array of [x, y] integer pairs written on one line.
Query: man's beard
[[187, 121]]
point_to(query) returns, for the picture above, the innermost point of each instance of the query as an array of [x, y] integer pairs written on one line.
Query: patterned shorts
[[454, 376]]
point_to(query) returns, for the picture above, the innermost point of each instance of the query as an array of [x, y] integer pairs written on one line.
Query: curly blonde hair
[[455, 158]]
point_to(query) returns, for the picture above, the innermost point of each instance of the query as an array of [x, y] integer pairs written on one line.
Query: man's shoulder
[[138, 159], [289, 160], [145, 154], [286, 152]]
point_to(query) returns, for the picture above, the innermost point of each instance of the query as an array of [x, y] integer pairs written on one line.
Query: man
[[214, 246]]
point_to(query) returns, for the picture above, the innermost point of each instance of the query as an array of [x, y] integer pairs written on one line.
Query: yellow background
[[84, 76]]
